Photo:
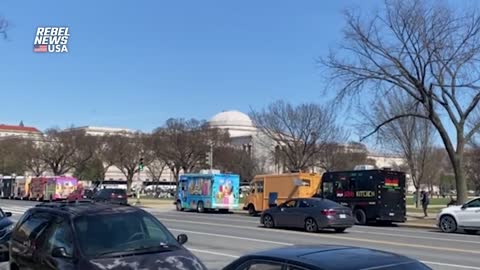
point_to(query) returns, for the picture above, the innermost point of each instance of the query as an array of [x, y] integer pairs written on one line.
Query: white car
[[465, 217]]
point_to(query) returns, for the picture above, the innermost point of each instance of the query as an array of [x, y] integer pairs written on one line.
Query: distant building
[[102, 131], [20, 131]]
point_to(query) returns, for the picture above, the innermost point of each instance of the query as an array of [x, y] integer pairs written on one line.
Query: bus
[[204, 192], [373, 195]]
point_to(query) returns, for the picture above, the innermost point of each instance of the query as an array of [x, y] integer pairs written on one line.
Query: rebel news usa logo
[[51, 40]]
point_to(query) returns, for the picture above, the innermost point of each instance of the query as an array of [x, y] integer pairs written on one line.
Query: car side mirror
[[464, 207], [60, 252], [8, 214], [182, 239], [273, 205]]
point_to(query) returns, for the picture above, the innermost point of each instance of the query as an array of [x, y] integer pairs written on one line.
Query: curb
[[416, 226]]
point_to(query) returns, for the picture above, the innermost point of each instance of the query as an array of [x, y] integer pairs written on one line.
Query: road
[[217, 239]]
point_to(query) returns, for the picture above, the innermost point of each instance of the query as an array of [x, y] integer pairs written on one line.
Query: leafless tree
[[300, 132], [63, 150], [428, 51], [128, 152], [183, 144], [33, 158], [472, 166], [341, 157], [12, 156], [233, 160], [155, 164], [410, 137]]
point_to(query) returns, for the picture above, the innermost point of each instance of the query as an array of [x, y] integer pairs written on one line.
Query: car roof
[[85, 208], [335, 257]]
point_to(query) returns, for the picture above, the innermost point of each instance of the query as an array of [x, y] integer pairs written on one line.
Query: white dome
[[236, 123], [231, 118]]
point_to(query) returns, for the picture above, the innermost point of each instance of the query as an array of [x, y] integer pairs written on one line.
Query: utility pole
[[211, 157]]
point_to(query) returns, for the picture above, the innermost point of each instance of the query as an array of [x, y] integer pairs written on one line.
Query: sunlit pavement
[[218, 239]]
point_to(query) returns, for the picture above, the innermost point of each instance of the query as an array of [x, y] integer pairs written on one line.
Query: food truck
[[208, 191], [271, 189], [52, 188]]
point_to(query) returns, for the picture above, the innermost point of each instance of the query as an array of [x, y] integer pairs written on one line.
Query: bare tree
[[233, 160], [300, 132], [128, 152], [410, 137], [428, 51], [472, 166], [62, 150], [183, 144], [341, 157], [33, 158], [12, 156]]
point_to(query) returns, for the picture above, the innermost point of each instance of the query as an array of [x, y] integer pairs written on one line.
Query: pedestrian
[[425, 201]]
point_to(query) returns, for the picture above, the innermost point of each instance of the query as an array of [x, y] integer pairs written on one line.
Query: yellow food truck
[[267, 190]]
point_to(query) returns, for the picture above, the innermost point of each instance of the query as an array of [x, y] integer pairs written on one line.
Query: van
[[273, 189]]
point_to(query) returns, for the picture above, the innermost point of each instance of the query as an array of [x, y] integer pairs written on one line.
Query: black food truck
[[373, 195]]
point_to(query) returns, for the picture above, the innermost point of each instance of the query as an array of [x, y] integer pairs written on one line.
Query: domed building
[[237, 124]]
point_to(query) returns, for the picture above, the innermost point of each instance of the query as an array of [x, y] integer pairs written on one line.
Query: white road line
[[455, 266], [234, 237], [213, 252], [335, 237], [417, 237]]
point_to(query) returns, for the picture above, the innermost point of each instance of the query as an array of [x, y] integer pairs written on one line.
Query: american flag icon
[[40, 48]]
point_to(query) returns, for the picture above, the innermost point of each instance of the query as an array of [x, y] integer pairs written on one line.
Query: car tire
[[448, 224], [251, 210], [340, 230], [360, 217], [178, 206], [200, 207], [471, 231], [311, 225], [268, 221]]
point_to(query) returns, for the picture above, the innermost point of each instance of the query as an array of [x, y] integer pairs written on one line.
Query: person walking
[[425, 202]]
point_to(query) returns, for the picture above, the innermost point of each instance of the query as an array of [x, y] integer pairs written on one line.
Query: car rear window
[[324, 203], [117, 191]]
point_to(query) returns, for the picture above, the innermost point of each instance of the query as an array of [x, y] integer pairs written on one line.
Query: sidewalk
[[417, 220]]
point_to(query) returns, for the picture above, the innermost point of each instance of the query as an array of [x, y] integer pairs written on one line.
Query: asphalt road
[[218, 239]]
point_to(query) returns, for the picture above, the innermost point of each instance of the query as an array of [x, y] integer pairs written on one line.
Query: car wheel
[[178, 206], [251, 210], [268, 221], [448, 224], [471, 231], [360, 217], [311, 225], [200, 207], [340, 230]]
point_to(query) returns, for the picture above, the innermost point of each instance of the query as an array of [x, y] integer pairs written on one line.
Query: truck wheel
[[178, 206], [200, 207], [448, 224], [360, 217], [251, 210]]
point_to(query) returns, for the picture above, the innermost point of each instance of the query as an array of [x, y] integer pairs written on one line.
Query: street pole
[[211, 157]]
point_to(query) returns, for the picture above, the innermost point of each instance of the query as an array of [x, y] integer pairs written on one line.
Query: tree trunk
[[417, 197], [460, 180], [129, 182]]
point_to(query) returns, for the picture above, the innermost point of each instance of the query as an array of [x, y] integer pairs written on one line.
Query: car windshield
[[102, 235]]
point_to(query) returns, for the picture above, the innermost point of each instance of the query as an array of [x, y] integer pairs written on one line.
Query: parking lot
[[220, 238]]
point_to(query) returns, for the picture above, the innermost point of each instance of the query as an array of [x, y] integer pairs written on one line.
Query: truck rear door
[[391, 196]]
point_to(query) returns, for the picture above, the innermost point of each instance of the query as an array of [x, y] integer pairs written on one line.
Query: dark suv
[[6, 226], [115, 195], [86, 235]]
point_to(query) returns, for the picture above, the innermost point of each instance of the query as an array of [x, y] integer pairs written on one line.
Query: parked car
[[6, 227], [88, 235], [115, 195], [325, 257], [312, 214], [465, 217], [81, 193]]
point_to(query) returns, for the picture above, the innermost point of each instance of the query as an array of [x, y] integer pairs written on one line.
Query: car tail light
[[329, 212]]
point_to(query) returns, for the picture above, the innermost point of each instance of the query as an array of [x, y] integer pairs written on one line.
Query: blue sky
[[136, 63]]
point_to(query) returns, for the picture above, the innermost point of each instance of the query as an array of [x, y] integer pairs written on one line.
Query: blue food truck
[[210, 191]]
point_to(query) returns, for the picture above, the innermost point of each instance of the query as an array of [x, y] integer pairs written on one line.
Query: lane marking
[[234, 237], [213, 252], [418, 237], [455, 266], [388, 243], [351, 230]]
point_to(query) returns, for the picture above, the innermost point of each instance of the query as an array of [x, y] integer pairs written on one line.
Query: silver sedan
[[311, 214]]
